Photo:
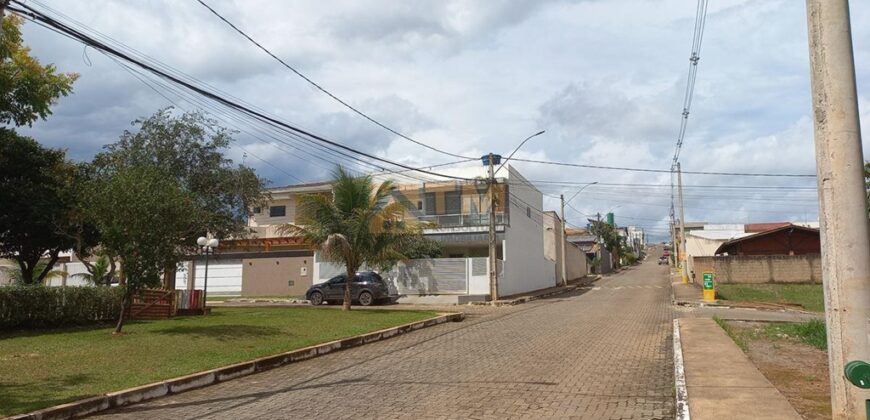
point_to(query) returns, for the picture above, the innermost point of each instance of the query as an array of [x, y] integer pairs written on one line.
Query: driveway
[[601, 352]]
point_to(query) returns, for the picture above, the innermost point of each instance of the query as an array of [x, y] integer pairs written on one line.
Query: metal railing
[[462, 219]]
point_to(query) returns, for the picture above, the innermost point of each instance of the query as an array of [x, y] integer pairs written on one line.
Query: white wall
[[526, 267], [224, 277]]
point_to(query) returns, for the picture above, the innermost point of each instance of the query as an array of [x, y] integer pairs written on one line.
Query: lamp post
[[207, 246], [493, 265], [565, 230]]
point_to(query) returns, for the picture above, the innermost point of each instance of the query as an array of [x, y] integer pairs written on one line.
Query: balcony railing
[[460, 220]]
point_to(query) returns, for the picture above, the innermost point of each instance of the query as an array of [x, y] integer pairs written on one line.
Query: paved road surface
[[602, 352]]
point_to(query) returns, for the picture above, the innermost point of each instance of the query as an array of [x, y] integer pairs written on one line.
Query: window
[[338, 279], [528, 212], [277, 211], [419, 205]]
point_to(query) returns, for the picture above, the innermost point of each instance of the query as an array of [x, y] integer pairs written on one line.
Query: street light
[[207, 246], [579, 191]]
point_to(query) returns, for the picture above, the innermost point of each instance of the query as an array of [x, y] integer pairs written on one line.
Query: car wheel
[[316, 298], [366, 299]]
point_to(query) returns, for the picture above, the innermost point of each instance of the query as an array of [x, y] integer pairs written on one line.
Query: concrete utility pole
[[563, 242], [842, 206], [493, 275], [683, 256]]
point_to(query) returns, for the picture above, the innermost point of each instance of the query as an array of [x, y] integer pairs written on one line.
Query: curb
[[682, 394], [525, 299], [213, 376]]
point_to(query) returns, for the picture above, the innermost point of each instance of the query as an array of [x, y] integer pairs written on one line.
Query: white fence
[[431, 276]]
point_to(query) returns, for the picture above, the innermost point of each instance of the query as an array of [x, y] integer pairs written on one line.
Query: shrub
[[36, 306]]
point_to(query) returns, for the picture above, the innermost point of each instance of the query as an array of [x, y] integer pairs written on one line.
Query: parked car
[[366, 288], [663, 260], [666, 253]]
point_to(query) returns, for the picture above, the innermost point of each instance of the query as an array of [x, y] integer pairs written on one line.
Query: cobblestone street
[[601, 352]]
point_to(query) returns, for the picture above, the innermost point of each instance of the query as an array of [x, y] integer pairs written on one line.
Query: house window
[[419, 205], [528, 212], [277, 211]]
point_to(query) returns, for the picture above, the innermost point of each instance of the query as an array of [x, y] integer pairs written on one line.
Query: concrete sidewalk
[[721, 381]]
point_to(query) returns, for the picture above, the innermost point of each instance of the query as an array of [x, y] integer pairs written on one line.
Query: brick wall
[[761, 269]]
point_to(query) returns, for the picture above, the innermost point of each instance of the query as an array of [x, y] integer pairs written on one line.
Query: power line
[[663, 171], [322, 89], [697, 38], [106, 49]]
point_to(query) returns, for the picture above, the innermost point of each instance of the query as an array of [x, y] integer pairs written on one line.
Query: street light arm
[[518, 148], [578, 191]]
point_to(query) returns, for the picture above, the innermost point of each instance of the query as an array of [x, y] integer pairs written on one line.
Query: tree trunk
[[48, 266], [26, 271], [347, 296], [124, 303]]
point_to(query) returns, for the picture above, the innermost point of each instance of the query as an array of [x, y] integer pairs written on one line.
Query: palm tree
[[357, 225], [99, 273]]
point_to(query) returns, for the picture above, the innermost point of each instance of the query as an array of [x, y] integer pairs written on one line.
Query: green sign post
[[708, 281], [709, 290]]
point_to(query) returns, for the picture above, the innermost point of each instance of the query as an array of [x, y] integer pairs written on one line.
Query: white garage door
[[224, 277]]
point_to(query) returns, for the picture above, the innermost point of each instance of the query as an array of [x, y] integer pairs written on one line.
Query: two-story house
[[456, 214]]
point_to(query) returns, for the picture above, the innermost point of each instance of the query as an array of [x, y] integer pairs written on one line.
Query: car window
[[337, 279], [359, 278]]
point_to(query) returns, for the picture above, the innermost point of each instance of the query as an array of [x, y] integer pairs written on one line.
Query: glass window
[[337, 279], [277, 211]]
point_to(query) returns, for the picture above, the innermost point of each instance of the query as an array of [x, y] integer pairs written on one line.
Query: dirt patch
[[797, 370]]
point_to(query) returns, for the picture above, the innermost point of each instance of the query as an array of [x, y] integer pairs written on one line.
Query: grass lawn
[[44, 368], [808, 295]]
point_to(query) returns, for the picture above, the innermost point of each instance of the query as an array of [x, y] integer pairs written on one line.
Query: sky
[[605, 79]]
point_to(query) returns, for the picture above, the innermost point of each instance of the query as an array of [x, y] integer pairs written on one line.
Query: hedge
[[37, 306]]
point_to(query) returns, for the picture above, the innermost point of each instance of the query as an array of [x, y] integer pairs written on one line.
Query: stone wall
[[761, 269]]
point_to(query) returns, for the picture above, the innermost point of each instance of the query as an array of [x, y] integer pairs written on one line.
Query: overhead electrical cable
[[26, 10], [322, 89]]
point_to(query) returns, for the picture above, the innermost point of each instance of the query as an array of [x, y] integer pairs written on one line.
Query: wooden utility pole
[[493, 274], [845, 231], [564, 242], [683, 256]]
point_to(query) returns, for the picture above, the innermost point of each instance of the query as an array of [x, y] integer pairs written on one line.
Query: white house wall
[[526, 267]]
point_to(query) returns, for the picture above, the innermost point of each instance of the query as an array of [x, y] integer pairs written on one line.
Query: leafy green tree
[[609, 237], [144, 217], [27, 88], [189, 148], [36, 204], [358, 224], [152, 193]]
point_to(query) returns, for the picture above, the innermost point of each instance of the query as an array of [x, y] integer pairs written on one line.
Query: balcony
[[462, 220]]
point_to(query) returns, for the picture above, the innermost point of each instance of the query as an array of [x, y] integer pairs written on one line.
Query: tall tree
[[143, 217], [358, 224], [189, 149], [27, 88], [36, 204], [152, 193]]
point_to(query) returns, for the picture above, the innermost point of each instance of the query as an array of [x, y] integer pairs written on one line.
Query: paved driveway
[[602, 352]]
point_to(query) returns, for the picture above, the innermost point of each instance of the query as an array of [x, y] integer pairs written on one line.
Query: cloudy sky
[[604, 78]]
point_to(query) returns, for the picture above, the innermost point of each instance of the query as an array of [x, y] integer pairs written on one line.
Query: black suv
[[366, 288]]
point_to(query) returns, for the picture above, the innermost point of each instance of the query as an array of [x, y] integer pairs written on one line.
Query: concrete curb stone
[[213, 376]]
